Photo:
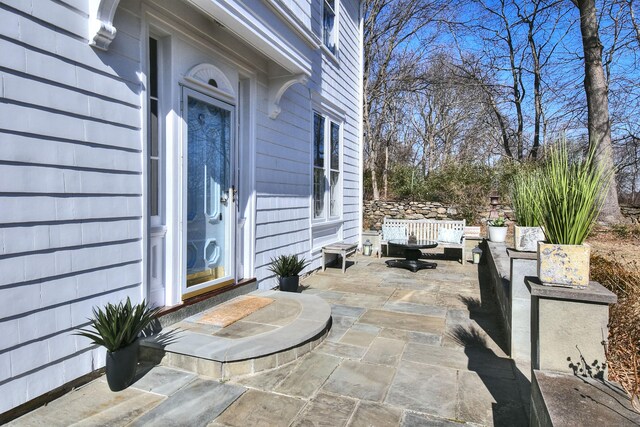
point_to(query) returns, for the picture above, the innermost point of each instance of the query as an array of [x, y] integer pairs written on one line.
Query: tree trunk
[[385, 172], [595, 86], [374, 184], [537, 93]]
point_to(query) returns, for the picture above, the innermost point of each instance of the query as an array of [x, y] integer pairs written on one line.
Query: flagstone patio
[[409, 349]]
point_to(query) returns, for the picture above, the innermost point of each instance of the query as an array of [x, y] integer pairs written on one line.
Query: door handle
[[234, 191]]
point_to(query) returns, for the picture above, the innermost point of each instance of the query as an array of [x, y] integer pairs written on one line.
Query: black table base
[[411, 264]]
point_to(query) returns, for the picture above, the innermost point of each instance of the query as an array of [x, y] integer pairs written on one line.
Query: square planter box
[[527, 238], [564, 265]]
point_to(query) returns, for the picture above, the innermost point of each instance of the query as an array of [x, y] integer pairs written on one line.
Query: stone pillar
[[523, 264], [568, 326]]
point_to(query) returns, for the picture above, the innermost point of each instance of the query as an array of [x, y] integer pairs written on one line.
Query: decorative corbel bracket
[[101, 29], [278, 86]]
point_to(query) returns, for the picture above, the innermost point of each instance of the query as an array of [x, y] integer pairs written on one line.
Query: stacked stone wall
[[376, 210], [631, 212]]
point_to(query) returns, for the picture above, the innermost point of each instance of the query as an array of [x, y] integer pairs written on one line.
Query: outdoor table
[[412, 254]]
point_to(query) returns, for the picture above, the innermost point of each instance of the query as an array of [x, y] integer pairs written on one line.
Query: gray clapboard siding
[[50, 67], [62, 100], [81, 6], [19, 118], [49, 95], [290, 141], [53, 13], [40, 266], [21, 239], [45, 209], [55, 180], [36, 150], [29, 33]]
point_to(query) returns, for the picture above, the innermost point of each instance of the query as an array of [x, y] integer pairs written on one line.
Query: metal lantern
[[367, 248], [477, 253], [495, 199]]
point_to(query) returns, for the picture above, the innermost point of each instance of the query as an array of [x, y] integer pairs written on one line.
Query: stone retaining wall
[[376, 210], [631, 212]]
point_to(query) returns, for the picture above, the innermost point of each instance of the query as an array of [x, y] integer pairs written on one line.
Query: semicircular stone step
[[272, 335]]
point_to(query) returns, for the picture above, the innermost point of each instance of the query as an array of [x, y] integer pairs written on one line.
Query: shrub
[[623, 347], [464, 186], [408, 183]]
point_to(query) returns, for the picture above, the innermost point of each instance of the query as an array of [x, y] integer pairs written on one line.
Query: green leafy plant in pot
[[570, 196], [288, 268], [497, 230], [117, 328], [524, 194]]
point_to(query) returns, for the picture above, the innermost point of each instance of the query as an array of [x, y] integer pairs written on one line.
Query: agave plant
[[524, 195], [570, 195], [287, 265], [498, 222], [118, 325]]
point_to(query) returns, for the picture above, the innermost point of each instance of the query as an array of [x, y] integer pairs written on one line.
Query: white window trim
[[157, 220], [327, 219], [336, 31]]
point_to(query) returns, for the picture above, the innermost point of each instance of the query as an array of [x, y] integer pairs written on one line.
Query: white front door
[[209, 214]]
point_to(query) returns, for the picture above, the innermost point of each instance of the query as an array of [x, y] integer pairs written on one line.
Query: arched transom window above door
[[211, 78]]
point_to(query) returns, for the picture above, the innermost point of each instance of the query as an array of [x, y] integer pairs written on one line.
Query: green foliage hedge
[[464, 186]]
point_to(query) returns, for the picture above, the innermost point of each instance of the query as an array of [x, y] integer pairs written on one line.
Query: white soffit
[[240, 20]]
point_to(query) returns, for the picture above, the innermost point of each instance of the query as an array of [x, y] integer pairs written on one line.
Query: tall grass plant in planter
[[524, 195], [117, 328], [288, 268], [570, 196]]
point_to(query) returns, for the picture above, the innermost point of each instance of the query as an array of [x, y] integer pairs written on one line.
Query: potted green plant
[[497, 230], [524, 193], [288, 268], [570, 196], [117, 328]]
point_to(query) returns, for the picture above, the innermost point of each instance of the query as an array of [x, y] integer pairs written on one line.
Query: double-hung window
[[329, 30], [326, 168]]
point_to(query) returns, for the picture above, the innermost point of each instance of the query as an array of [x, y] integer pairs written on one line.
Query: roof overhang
[[241, 20], [292, 67]]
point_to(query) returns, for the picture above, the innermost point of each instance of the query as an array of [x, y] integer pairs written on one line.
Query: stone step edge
[[227, 370]]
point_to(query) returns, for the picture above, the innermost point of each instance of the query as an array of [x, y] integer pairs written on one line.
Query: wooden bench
[[341, 248], [423, 229]]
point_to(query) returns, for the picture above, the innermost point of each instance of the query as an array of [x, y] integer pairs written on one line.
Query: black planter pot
[[289, 284], [121, 366]]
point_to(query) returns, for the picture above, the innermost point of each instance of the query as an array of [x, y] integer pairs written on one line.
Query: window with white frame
[[154, 126], [329, 30], [326, 168]]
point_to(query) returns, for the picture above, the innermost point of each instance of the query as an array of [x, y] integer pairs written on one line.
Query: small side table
[[342, 249]]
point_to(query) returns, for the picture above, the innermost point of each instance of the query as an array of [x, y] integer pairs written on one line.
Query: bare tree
[[389, 27]]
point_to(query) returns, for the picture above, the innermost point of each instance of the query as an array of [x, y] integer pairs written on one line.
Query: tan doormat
[[234, 310]]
